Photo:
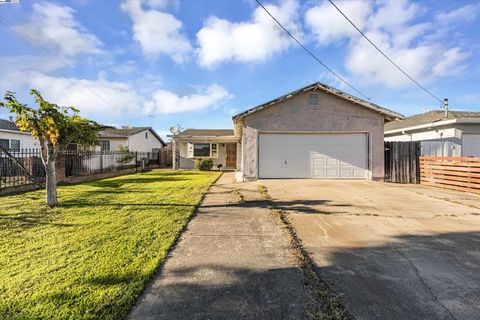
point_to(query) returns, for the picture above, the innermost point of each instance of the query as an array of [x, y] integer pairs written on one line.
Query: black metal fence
[[21, 167], [24, 166]]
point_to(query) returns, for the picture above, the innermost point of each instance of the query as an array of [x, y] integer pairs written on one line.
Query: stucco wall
[[138, 142], [26, 140], [332, 114], [189, 163], [115, 143]]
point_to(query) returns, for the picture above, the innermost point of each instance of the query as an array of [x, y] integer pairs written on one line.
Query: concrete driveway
[[393, 251]]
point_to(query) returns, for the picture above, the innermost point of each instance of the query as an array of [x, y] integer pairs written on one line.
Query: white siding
[[471, 145], [138, 142], [426, 135], [26, 140]]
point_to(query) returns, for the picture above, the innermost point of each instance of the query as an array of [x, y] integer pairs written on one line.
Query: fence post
[[136, 161]]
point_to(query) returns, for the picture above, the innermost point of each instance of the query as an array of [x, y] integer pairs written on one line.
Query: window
[[104, 145], [214, 151], [5, 143], [146, 135], [313, 99], [202, 150], [14, 145]]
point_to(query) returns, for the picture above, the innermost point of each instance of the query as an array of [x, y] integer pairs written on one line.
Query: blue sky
[[196, 63]]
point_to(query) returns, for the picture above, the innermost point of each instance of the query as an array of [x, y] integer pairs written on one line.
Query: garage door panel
[[312, 156]]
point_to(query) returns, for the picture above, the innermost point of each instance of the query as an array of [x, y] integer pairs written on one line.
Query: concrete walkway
[[231, 263]]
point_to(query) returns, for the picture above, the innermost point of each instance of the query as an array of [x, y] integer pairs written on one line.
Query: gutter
[[14, 131], [434, 124]]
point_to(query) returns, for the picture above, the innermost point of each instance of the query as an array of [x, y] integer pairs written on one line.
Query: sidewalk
[[231, 263]]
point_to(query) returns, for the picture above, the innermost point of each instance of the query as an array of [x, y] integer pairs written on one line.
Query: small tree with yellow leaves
[[55, 128]]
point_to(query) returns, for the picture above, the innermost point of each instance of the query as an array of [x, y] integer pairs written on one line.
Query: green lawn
[[91, 257]]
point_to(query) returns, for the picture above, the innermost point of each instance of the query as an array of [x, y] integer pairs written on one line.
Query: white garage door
[[327, 156], [470, 145]]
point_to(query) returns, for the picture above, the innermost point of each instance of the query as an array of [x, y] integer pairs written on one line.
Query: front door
[[231, 155]]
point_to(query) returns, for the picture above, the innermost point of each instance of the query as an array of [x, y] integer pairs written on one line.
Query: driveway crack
[[422, 280]]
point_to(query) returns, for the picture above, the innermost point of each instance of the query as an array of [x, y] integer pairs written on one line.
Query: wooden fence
[[402, 162], [459, 173]]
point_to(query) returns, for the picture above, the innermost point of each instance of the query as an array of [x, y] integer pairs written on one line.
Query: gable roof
[[325, 88], [196, 133], [8, 125], [112, 132], [430, 117]]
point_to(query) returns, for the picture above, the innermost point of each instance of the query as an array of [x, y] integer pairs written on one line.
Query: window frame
[[2, 140], [104, 141], [213, 150], [11, 145]]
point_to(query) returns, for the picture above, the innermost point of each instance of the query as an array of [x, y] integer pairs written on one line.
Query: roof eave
[[15, 131], [434, 124], [390, 115]]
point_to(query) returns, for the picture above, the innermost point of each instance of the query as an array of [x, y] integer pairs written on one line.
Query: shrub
[[203, 165], [126, 155]]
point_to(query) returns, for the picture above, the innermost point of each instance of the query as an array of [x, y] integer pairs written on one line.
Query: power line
[[47, 54], [311, 53], [390, 60]]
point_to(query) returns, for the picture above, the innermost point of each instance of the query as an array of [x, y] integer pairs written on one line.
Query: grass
[[91, 257]]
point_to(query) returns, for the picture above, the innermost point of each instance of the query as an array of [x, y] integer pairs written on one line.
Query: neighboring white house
[[11, 138], [143, 139], [451, 134]]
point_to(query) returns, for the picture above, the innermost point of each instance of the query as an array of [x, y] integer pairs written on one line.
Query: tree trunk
[[51, 184]]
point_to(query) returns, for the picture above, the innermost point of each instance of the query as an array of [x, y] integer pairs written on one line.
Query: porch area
[[217, 145]]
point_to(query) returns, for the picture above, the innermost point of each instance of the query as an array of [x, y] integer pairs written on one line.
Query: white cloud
[[92, 97], [449, 63], [164, 101], [465, 13], [328, 26], [389, 25], [260, 38], [126, 67], [162, 4], [55, 26], [157, 32]]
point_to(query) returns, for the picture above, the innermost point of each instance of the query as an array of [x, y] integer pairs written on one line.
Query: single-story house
[[218, 145], [143, 139], [449, 134], [11, 138], [314, 132]]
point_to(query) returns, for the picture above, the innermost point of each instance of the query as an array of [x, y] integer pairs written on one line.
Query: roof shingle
[[204, 133], [429, 117], [8, 125]]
